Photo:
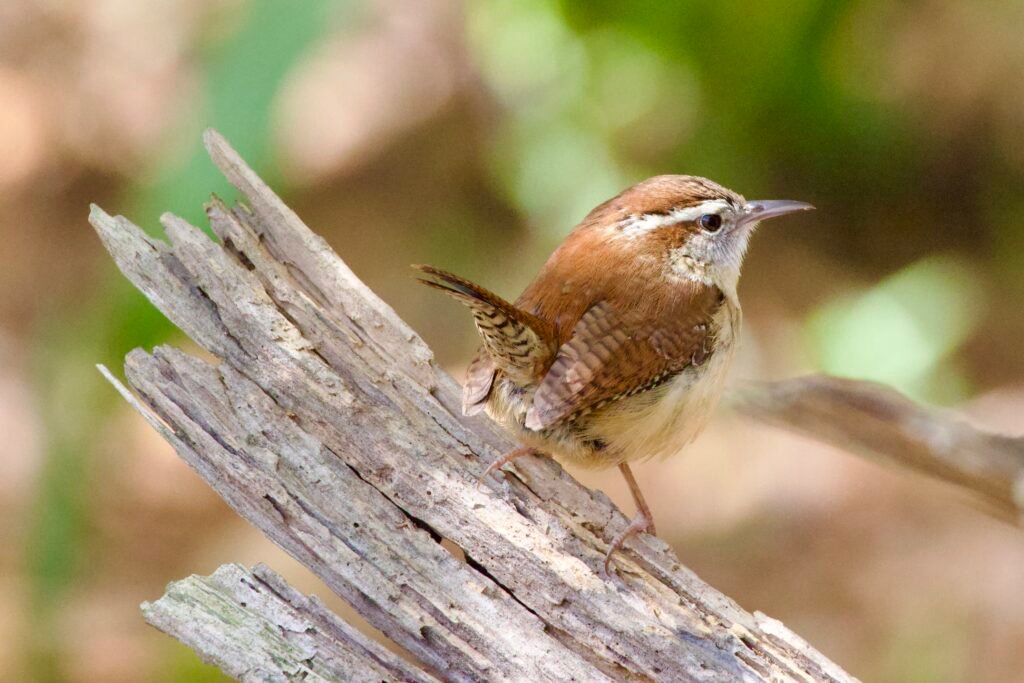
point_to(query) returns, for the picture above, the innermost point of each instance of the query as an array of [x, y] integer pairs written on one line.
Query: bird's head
[[697, 229]]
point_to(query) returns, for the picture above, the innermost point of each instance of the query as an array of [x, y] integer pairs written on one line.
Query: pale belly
[[652, 424]]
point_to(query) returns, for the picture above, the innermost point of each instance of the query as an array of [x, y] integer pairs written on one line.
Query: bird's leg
[[643, 521], [505, 459]]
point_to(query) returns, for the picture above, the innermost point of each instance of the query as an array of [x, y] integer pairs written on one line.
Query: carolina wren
[[618, 350]]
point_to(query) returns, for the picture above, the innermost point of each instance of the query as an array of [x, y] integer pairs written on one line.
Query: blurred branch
[[877, 421], [254, 626], [325, 422]]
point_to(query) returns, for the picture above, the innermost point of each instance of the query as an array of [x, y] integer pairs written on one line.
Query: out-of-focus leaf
[[899, 331]]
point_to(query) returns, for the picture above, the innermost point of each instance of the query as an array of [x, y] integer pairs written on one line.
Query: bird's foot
[[643, 521], [504, 460]]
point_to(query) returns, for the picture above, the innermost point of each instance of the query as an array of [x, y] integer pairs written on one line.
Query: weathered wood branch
[[325, 422], [255, 627], [879, 422]]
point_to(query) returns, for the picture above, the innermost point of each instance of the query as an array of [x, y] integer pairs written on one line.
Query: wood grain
[[878, 422], [275, 633], [324, 421]]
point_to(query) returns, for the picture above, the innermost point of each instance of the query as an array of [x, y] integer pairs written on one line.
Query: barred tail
[[517, 341]]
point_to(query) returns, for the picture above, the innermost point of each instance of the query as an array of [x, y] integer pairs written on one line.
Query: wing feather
[[614, 353]]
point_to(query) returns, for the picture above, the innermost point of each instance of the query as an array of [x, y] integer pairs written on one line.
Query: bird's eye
[[711, 222]]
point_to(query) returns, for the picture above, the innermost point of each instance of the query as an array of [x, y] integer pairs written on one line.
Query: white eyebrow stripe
[[636, 226]]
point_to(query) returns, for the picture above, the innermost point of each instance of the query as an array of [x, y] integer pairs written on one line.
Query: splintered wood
[[325, 422]]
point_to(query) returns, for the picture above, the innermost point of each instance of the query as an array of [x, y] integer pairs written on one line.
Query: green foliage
[[903, 330]]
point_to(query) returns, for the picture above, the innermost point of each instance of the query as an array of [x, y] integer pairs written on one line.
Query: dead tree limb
[[877, 421], [325, 422], [255, 627]]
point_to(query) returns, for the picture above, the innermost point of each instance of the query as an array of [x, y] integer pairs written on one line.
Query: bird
[[617, 352]]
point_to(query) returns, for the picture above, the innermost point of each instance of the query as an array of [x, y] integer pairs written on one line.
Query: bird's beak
[[763, 209]]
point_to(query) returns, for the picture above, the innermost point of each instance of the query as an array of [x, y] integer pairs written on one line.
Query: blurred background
[[473, 135]]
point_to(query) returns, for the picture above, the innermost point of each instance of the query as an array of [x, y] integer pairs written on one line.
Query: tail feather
[[476, 388], [520, 344]]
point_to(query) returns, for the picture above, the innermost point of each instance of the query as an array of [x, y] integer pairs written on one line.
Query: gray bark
[[879, 422], [324, 421], [257, 628]]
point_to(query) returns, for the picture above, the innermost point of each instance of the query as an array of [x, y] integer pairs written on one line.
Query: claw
[[504, 460], [643, 521], [640, 523]]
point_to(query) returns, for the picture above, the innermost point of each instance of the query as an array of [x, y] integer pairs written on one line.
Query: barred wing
[[613, 354]]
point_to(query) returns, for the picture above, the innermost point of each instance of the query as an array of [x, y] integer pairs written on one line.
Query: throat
[[684, 266]]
